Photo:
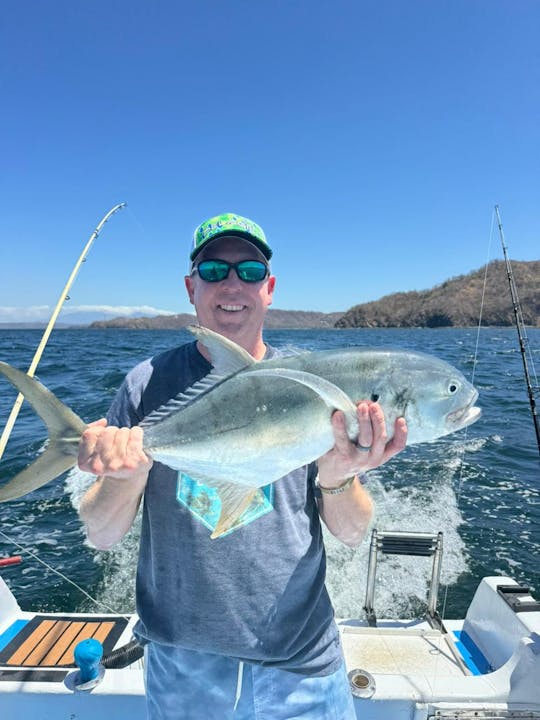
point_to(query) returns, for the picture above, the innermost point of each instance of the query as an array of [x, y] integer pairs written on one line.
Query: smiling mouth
[[232, 308]]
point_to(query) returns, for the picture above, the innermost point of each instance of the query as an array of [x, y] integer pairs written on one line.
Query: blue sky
[[370, 139]]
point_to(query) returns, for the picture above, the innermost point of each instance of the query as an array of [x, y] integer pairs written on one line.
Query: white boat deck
[[400, 651], [399, 669]]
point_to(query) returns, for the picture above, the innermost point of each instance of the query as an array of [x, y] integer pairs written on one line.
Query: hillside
[[160, 322], [291, 319], [276, 319], [456, 302]]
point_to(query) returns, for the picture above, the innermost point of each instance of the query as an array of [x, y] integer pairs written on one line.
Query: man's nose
[[232, 280]]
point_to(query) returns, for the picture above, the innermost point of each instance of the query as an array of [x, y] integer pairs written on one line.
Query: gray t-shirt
[[256, 593]]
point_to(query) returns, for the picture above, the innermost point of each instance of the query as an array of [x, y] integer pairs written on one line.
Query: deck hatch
[[49, 640], [519, 598]]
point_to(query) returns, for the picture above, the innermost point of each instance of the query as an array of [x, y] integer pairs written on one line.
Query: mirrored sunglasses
[[250, 271]]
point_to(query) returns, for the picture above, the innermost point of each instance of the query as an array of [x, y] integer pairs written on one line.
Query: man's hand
[[371, 449], [113, 452]]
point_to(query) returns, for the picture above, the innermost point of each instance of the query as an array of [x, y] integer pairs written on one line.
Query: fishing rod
[[63, 297], [522, 335]]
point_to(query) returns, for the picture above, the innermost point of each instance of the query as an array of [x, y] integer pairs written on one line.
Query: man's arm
[[347, 514], [110, 505]]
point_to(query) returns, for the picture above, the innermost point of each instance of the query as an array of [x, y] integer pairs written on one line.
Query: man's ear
[[270, 287], [188, 282]]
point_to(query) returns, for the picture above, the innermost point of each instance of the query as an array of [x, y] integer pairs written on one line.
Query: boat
[[484, 665]]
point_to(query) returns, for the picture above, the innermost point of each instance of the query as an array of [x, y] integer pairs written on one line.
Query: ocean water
[[480, 486]]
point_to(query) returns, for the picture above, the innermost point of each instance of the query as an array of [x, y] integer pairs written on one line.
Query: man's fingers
[[112, 451], [115, 449], [89, 440], [371, 448], [365, 429], [398, 442], [134, 450], [102, 422], [378, 427], [339, 426]]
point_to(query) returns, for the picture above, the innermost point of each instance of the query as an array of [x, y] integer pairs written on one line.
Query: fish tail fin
[[65, 430], [235, 500]]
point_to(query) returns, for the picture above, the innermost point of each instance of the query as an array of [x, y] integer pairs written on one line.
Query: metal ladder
[[406, 543]]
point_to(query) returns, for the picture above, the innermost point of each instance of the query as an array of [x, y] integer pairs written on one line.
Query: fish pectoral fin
[[49, 465], [332, 395], [235, 500], [225, 355]]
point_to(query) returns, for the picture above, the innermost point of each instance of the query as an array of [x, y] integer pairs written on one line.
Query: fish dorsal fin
[[332, 395], [225, 355], [183, 399]]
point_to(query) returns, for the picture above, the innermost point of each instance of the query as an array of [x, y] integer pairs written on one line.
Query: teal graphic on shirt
[[204, 503]]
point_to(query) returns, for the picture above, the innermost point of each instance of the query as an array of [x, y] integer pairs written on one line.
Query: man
[[239, 627]]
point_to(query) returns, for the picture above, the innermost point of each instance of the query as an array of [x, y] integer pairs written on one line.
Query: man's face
[[231, 307]]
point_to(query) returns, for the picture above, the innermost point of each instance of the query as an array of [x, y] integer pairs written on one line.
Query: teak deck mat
[[49, 640]]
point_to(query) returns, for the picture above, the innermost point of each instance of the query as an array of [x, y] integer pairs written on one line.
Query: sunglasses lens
[[213, 270], [251, 271]]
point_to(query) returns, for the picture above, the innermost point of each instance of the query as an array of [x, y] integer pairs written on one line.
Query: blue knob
[[88, 654]]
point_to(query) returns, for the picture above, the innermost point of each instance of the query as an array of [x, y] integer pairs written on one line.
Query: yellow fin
[[49, 465], [65, 430], [235, 500]]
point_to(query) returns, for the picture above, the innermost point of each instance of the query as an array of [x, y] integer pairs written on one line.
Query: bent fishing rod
[[64, 295], [522, 335]]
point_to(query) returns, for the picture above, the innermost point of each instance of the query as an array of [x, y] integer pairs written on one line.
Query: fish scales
[[255, 430]]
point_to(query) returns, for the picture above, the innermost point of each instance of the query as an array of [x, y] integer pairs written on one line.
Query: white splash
[[402, 582]]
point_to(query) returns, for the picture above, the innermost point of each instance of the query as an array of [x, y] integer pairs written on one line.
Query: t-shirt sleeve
[[125, 408], [312, 473]]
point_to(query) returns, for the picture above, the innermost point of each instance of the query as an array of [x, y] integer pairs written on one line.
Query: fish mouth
[[464, 416]]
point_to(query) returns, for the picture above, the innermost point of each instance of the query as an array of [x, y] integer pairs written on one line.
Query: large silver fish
[[249, 423]]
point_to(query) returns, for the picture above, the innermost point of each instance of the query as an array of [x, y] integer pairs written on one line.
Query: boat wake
[[402, 583], [119, 565]]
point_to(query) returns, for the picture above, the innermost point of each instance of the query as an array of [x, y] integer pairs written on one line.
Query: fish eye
[[453, 387], [374, 397]]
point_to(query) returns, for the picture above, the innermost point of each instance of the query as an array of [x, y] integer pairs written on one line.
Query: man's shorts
[[188, 685]]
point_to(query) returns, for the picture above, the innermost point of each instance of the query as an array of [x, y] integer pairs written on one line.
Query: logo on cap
[[230, 224]]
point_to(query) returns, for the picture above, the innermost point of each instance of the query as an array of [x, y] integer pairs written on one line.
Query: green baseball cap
[[229, 224]]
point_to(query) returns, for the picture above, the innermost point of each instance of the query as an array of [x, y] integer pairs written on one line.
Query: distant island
[[454, 303], [275, 319]]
